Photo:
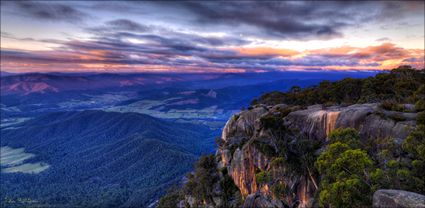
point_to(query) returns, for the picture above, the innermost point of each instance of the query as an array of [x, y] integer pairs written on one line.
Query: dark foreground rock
[[386, 198]]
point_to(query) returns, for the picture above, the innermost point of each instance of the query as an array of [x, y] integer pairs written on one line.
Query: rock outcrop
[[244, 160], [388, 198], [258, 153], [317, 121]]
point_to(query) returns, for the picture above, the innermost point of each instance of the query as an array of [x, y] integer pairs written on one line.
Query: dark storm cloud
[[275, 19], [124, 28], [128, 25], [48, 10], [119, 25], [300, 20]]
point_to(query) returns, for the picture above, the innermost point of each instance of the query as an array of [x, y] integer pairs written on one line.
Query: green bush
[[278, 162], [263, 177], [270, 121], [171, 199], [347, 136], [420, 120], [278, 190], [264, 148], [345, 170], [392, 105], [420, 105]]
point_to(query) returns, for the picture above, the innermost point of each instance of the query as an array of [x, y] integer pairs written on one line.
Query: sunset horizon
[[60, 36]]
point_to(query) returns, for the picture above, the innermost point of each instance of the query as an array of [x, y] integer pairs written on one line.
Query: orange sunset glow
[[239, 42]]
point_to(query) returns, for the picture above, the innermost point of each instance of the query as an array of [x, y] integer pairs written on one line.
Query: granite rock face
[[243, 160], [317, 122], [242, 124], [388, 198]]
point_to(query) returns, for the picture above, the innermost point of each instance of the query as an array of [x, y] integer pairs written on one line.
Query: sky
[[210, 36]]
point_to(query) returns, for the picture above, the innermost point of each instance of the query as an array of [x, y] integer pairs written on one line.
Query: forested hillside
[[99, 158]]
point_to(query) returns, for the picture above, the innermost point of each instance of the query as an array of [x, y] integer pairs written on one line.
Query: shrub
[[278, 162], [278, 190], [347, 136], [391, 105], [270, 121], [220, 142], [420, 105], [171, 199], [263, 177], [264, 148], [420, 120]]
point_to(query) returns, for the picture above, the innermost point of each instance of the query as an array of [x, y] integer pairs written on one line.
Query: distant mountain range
[[24, 84], [128, 157]]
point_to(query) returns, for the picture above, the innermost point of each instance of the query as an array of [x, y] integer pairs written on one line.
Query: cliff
[[285, 151], [244, 158]]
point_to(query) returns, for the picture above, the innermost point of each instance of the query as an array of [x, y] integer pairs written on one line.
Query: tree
[[345, 171], [201, 183], [414, 145], [171, 199]]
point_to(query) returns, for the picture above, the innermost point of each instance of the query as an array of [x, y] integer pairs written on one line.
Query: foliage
[[420, 120], [263, 177], [201, 182], [347, 136], [264, 148], [279, 189], [349, 175], [171, 199], [229, 190], [344, 169], [391, 105], [414, 145], [420, 105], [278, 162], [402, 84]]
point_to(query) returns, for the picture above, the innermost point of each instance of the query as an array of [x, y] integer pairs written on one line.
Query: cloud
[[383, 39], [286, 20], [127, 25], [267, 51], [154, 52], [123, 25], [48, 11]]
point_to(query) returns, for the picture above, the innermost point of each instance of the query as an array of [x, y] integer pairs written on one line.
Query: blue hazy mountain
[[101, 158]]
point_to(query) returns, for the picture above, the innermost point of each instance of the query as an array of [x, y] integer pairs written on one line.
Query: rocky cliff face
[[244, 159]]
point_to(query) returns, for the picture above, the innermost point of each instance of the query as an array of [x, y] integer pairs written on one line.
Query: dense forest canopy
[[401, 85]]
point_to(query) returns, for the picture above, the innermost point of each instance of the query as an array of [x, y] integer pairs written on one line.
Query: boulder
[[388, 198], [242, 124]]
